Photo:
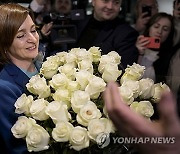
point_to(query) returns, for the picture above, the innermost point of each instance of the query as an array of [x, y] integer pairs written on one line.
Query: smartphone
[[154, 43], [147, 9]]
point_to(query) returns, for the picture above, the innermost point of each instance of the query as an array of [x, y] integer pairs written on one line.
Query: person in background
[[40, 9], [19, 43], [52, 13], [105, 30], [176, 15], [131, 124], [144, 10], [60, 7], [173, 78], [156, 61]]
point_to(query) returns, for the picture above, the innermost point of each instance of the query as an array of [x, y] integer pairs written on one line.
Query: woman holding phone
[[155, 46]]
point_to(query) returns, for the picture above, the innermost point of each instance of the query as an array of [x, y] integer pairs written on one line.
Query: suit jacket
[[117, 36], [12, 86]]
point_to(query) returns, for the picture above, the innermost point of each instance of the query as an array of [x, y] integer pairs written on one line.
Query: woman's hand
[[141, 44]]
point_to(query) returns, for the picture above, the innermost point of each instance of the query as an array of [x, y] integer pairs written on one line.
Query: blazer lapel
[[19, 77]]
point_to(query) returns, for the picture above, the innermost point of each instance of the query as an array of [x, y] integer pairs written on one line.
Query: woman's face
[[25, 43], [161, 29]]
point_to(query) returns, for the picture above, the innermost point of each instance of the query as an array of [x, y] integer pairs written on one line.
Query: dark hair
[[161, 65], [154, 19], [11, 18]]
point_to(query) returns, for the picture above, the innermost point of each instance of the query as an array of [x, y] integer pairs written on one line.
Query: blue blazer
[[12, 86], [115, 35]]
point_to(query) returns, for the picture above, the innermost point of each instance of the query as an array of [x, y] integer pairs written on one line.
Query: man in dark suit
[[106, 30]]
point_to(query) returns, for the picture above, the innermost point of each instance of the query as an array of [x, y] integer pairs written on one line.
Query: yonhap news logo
[[144, 140], [103, 140]]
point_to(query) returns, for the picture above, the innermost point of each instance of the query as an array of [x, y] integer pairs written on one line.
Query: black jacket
[[115, 35]]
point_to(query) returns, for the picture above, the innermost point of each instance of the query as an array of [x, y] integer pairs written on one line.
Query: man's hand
[[46, 29], [131, 124], [141, 22]]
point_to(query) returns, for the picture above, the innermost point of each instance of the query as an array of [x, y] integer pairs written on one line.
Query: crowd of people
[[103, 28]]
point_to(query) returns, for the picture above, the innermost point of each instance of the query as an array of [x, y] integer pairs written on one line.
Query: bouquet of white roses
[[64, 106]]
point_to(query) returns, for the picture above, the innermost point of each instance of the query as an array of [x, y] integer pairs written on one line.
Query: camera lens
[[156, 40]]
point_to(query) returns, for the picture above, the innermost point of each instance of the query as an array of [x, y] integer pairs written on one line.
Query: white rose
[[88, 112], [23, 104], [62, 131], [134, 106], [78, 99], [73, 86], [37, 139], [127, 94], [96, 53], [105, 111], [74, 51], [86, 65], [71, 58], [116, 56], [134, 72], [69, 70], [38, 86], [78, 138], [133, 85], [159, 89], [58, 112], [22, 126], [59, 81], [62, 95], [111, 72], [146, 87], [96, 85], [54, 59], [83, 77], [97, 126], [50, 67], [38, 108], [145, 108], [83, 54], [62, 57], [105, 59]]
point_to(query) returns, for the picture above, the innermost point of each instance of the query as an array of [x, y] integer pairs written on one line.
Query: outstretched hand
[[131, 124]]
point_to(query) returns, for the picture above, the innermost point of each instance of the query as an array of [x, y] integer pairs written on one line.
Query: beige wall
[[166, 6]]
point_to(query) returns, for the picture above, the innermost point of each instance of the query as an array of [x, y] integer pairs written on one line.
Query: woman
[[156, 61], [19, 43]]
